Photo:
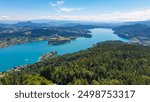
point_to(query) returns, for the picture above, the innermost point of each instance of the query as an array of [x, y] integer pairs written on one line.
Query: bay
[[29, 53]]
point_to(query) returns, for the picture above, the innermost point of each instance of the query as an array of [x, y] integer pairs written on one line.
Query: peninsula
[[22, 33]]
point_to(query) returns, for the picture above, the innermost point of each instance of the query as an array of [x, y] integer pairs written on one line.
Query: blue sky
[[98, 10]]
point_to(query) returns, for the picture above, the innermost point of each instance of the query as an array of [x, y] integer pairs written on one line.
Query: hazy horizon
[[76, 10]]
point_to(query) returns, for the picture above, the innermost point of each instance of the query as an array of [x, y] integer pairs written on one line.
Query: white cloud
[[4, 17], [59, 7], [67, 10], [57, 3], [60, 2], [135, 15], [52, 4]]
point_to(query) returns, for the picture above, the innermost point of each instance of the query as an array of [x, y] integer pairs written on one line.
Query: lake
[[29, 53]]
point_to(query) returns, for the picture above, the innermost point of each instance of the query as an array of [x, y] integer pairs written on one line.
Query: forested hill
[[105, 63], [131, 31]]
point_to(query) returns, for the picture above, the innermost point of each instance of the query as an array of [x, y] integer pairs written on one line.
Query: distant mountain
[[30, 24], [131, 31], [145, 23], [4, 25], [42, 20], [66, 23], [52, 22], [86, 26], [10, 21], [70, 23], [45, 23]]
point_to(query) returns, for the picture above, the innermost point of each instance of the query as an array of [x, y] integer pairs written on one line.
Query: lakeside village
[[140, 41]]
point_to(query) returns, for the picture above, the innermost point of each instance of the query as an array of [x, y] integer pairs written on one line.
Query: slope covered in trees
[[105, 63], [131, 31]]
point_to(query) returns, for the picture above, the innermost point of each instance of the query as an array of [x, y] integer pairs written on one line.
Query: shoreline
[[51, 41], [35, 62]]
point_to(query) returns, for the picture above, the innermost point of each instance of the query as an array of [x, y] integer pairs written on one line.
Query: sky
[[87, 10]]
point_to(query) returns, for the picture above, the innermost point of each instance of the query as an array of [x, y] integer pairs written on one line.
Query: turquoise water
[[29, 53]]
